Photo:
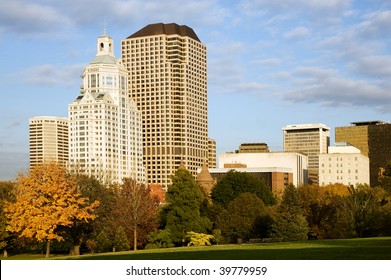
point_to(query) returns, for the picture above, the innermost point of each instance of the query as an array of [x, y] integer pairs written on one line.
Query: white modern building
[[48, 140], [168, 81], [310, 140], [294, 163], [343, 164], [105, 127]]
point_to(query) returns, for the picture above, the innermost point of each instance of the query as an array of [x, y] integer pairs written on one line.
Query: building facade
[[294, 163], [343, 164], [253, 148], [373, 139], [168, 81], [105, 130], [48, 140], [212, 154], [310, 140]]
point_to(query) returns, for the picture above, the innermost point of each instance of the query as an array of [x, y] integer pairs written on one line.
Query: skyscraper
[[373, 139], [48, 140], [311, 140], [105, 131], [168, 81]]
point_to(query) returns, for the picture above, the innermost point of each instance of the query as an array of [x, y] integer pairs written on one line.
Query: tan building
[[48, 140], [253, 148], [373, 139], [212, 154], [310, 140], [168, 81]]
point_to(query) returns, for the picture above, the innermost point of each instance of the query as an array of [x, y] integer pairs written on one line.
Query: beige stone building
[[212, 154], [48, 140], [343, 164], [168, 81], [310, 140]]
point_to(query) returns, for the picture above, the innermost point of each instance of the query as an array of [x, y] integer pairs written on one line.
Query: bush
[[198, 239]]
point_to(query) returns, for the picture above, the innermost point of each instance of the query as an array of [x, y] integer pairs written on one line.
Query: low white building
[[343, 164], [296, 162]]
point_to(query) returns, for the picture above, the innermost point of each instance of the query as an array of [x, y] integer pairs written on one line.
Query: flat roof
[[368, 123]]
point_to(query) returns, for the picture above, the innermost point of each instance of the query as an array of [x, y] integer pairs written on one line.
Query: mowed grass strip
[[346, 249]]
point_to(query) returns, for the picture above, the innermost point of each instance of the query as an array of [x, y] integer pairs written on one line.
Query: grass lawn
[[346, 249]]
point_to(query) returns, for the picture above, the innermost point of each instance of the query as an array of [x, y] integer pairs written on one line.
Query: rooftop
[[167, 29]]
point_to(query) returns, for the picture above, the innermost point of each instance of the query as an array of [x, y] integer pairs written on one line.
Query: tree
[[290, 223], [182, 214], [5, 195], [136, 211], [121, 242], [240, 215], [234, 183], [103, 242], [95, 190], [46, 199]]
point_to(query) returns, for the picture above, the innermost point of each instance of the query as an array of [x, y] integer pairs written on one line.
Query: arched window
[[102, 46]]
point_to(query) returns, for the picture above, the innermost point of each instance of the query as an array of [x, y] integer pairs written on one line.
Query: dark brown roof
[[168, 29]]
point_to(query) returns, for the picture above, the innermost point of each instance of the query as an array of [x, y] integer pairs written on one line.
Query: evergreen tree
[[182, 214], [121, 242], [103, 242], [290, 223]]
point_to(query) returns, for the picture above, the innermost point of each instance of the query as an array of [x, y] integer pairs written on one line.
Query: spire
[[104, 28]]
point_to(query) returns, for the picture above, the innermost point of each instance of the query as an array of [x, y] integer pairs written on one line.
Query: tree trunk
[[47, 249], [135, 238]]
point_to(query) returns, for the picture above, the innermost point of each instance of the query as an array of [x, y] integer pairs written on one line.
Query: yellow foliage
[[46, 198]]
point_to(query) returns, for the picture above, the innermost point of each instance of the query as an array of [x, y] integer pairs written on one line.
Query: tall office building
[[310, 140], [48, 140], [212, 154], [105, 129], [168, 80], [373, 139]]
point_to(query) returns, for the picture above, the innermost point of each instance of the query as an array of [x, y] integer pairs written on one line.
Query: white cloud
[[53, 75], [298, 32], [326, 87], [376, 66], [22, 17]]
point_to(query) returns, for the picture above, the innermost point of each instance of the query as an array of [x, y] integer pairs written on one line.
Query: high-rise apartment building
[[105, 128], [168, 81], [373, 139], [48, 140], [310, 140]]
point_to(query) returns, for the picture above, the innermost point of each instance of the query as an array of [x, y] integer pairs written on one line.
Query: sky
[[270, 63]]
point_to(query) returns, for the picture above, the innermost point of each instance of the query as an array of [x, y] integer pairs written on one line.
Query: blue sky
[[270, 63]]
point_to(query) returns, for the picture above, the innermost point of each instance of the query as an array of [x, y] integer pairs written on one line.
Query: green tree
[[6, 189], [182, 214], [238, 219], [159, 239], [94, 190], [103, 242], [121, 242], [290, 223], [234, 183], [46, 200]]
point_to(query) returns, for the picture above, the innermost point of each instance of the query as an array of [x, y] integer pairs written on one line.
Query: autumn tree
[[46, 198], [182, 214], [290, 223], [136, 211], [234, 183]]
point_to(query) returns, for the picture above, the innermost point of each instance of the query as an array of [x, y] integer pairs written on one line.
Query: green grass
[[343, 249], [347, 249]]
